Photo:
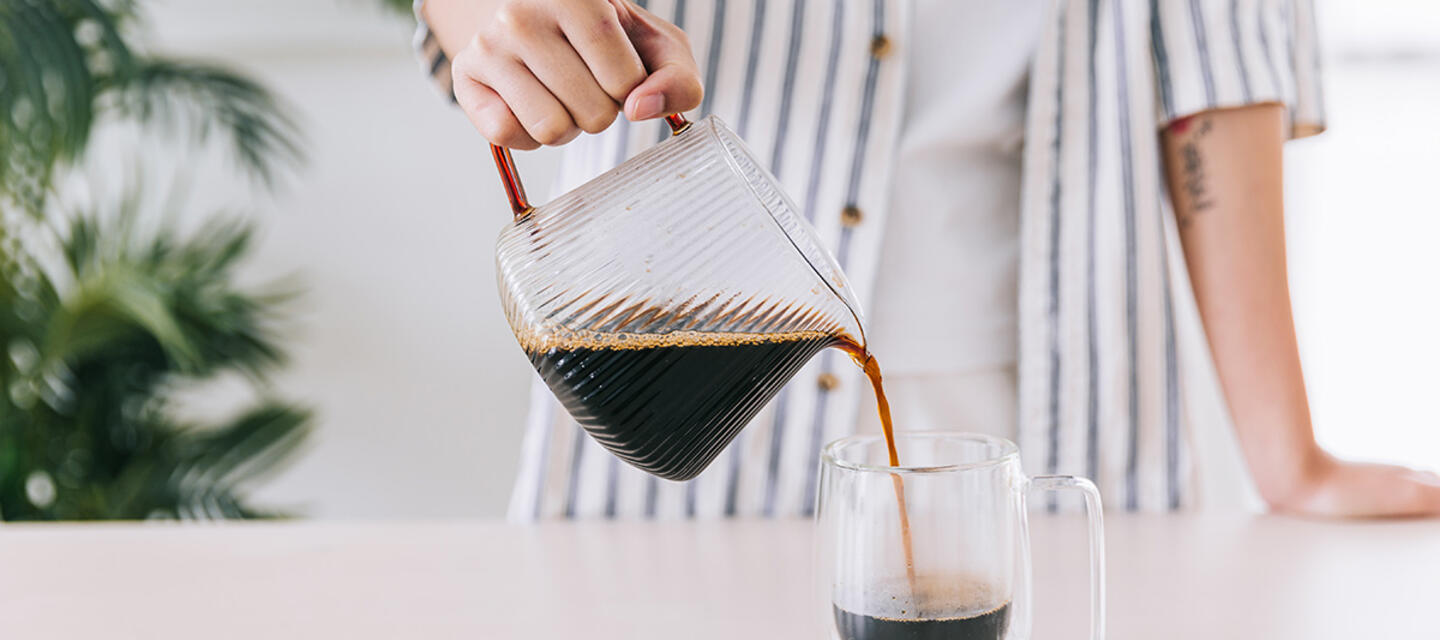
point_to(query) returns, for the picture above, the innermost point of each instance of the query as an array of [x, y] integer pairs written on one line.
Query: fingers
[[491, 116], [543, 116], [1428, 486], [542, 71], [565, 75], [667, 90], [482, 74], [595, 32], [673, 84]]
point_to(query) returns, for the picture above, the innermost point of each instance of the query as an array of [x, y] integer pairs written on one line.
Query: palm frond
[[217, 463], [50, 81], [402, 7], [210, 98], [101, 321], [90, 375], [66, 64], [177, 292]]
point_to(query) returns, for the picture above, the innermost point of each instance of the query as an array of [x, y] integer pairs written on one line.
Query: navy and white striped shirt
[[1114, 376]]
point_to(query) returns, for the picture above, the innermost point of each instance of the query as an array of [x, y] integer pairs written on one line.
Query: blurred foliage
[[97, 348], [103, 323], [405, 7], [66, 64]]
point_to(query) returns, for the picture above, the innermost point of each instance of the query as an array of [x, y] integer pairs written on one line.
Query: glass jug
[[668, 300]]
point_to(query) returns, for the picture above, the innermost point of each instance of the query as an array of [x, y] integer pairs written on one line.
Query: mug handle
[[510, 178], [1093, 516]]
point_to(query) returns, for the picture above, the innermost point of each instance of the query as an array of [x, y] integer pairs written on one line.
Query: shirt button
[[879, 46], [827, 382], [851, 216]]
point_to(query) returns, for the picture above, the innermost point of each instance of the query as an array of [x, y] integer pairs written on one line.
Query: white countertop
[[1175, 577]]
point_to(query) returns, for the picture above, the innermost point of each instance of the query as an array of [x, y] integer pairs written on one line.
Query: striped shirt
[[1114, 378]]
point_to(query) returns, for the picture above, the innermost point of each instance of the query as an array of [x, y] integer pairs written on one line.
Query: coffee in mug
[[935, 606]]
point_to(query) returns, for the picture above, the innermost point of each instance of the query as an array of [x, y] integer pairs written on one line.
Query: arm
[[1224, 173], [532, 72]]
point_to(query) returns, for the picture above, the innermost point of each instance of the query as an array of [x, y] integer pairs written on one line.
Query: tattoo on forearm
[[1194, 185]]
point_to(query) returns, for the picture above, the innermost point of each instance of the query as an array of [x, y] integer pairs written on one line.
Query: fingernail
[[649, 106]]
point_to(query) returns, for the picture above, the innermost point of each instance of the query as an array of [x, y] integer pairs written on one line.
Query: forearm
[[1224, 173]]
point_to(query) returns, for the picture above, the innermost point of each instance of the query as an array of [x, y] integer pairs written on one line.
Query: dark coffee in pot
[[669, 403]]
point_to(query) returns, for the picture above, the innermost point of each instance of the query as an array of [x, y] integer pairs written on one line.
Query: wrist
[[1288, 472], [1303, 481]]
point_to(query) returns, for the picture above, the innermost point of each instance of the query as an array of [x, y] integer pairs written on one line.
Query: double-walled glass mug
[[667, 300], [955, 563]]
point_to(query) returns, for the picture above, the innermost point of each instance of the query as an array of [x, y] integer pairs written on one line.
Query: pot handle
[[510, 178]]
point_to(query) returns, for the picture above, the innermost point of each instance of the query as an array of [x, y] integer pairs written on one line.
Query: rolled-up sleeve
[[433, 60], [1216, 54]]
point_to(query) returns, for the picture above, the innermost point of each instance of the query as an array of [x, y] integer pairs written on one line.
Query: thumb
[[669, 89], [673, 83]]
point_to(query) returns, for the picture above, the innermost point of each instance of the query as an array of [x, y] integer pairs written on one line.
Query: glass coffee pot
[[668, 300]]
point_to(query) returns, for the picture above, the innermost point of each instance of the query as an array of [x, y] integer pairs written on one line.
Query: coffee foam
[[537, 343], [952, 596]]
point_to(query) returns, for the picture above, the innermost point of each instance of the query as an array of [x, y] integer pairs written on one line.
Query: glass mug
[[964, 498]]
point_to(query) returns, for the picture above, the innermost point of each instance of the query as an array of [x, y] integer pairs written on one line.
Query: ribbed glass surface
[[666, 301]]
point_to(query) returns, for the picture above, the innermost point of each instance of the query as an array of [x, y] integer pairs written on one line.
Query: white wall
[[400, 346], [1364, 223], [421, 390]]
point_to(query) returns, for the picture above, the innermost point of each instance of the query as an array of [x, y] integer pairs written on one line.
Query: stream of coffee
[[863, 357], [630, 391]]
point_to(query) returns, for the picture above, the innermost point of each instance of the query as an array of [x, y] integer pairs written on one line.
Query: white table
[[1170, 577]]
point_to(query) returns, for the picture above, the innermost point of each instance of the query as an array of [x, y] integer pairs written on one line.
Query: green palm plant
[[402, 7], [103, 323], [67, 64], [98, 347]]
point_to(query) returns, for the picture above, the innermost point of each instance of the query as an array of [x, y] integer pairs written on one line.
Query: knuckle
[[465, 63], [617, 81], [517, 18], [476, 44], [597, 120], [470, 95], [481, 45], [497, 131], [679, 35], [628, 79], [507, 18], [551, 132], [605, 25], [466, 98], [521, 141], [480, 56]]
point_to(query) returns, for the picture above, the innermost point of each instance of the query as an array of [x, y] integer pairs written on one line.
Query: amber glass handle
[[510, 178]]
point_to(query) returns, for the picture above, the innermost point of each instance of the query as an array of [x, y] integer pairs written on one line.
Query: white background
[[400, 346]]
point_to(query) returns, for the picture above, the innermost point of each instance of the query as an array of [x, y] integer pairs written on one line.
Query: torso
[[945, 295]]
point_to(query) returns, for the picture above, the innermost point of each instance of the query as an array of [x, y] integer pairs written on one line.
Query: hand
[[1340, 489], [541, 71]]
